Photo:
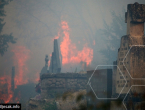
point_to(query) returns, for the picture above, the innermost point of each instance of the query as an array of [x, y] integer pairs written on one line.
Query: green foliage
[[2, 4], [4, 39], [50, 106]]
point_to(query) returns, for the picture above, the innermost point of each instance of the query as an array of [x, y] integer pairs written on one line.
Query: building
[[134, 61], [55, 64]]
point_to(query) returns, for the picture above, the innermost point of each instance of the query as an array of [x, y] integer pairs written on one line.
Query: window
[[121, 53], [123, 85], [124, 68], [121, 63], [121, 77]]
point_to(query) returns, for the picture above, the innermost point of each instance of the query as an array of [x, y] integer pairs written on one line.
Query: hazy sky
[[35, 23]]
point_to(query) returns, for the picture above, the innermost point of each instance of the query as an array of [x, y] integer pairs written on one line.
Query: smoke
[[37, 23]]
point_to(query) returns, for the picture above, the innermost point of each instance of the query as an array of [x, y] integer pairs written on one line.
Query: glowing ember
[[21, 55], [69, 52]]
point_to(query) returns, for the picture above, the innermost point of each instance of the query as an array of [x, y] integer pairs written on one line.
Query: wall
[[55, 84]]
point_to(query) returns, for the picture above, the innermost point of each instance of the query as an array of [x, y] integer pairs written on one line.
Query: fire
[[69, 51], [21, 55], [6, 93], [5, 89]]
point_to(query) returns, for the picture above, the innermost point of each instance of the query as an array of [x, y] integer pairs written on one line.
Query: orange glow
[[5, 89], [69, 51], [21, 55]]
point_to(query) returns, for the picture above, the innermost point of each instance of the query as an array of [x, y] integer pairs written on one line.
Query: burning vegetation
[[70, 53], [9, 83]]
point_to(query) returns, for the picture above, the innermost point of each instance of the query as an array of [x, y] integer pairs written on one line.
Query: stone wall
[[54, 84]]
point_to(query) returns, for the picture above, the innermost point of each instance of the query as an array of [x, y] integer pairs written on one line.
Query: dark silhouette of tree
[[4, 39], [112, 34]]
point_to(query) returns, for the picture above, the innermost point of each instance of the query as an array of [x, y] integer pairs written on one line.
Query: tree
[[4, 39], [113, 33]]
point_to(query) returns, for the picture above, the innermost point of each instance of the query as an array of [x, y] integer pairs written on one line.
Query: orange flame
[[69, 52], [5, 89], [21, 55]]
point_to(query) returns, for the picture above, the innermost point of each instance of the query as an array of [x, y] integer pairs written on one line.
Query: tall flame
[[69, 51], [21, 55]]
